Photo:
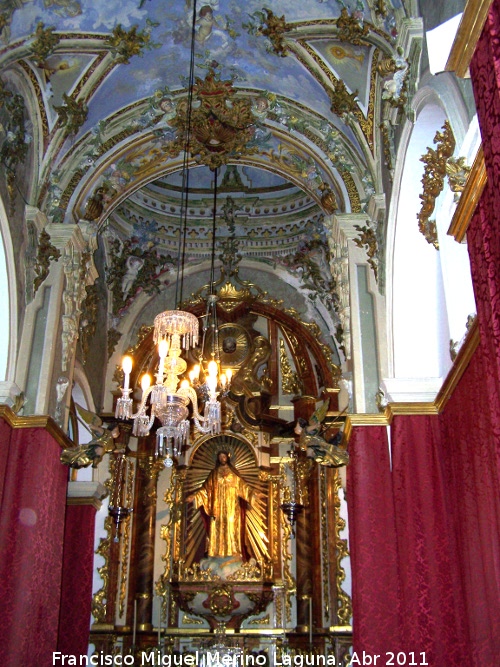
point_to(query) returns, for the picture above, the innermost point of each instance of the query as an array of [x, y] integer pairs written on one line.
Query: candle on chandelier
[[127, 369], [163, 351], [145, 382], [194, 373], [212, 375]]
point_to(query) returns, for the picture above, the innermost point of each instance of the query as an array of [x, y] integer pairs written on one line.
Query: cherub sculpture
[[91, 453], [325, 452]]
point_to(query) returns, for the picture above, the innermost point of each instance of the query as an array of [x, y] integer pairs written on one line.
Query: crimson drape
[[373, 558], [76, 594], [444, 488], [424, 537], [431, 597], [33, 504], [470, 454]]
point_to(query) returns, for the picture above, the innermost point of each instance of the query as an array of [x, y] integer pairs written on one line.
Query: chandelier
[[175, 331], [169, 397]]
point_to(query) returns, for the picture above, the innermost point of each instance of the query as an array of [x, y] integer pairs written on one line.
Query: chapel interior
[[286, 216]]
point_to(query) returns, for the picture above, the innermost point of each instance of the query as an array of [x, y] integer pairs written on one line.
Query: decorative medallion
[[234, 345], [221, 601], [220, 125]]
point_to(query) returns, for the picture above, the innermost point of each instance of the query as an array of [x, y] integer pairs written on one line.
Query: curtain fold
[[471, 458], [31, 546], [425, 537], [431, 594], [372, 539], [76, 593]]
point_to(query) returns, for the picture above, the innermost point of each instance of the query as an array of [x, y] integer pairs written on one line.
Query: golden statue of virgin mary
[[233, 507], [220, 498]]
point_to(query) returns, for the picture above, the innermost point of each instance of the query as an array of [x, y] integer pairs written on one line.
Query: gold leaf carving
[[433, 180], [290, 381]]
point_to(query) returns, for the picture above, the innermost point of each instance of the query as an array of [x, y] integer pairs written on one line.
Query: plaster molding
[[86, 493], [9, 391]]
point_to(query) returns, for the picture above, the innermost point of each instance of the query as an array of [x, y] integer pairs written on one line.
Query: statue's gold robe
[[219, 497]]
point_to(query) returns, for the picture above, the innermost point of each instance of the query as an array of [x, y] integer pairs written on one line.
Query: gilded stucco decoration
[[458, 172], [433, 180], [273, 27], [124, 44], [99, 598], [72, 113], [311, 264], [76, 264], [290, 381], [351, 28], [395, 71], [367, 239], [342, 101], [44, 43], [344, 610], [339, 267], [223, 126], [125, 542], [46, 252]]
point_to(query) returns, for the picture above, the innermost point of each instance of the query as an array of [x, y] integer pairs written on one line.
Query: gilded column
[[144, 526], [304, 544]]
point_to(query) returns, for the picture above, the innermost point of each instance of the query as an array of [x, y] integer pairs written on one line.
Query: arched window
[[430, 291], [7, 299]]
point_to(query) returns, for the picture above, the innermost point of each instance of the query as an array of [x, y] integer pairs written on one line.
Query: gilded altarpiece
[[283, 588]]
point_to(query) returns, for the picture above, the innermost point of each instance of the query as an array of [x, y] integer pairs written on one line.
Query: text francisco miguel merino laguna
[[209, 659]]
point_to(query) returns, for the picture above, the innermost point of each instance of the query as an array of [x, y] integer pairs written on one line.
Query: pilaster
[[50, 333]]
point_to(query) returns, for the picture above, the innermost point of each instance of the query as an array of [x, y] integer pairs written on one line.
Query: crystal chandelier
[[167, 400], [174, 331]]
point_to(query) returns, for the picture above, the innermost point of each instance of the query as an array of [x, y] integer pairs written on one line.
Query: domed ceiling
[[292, 110], [300, 84], [261, 210]]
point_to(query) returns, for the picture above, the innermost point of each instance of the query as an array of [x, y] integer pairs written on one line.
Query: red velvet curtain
[[444, 488], [431, 595], [32, 512], [372, 542], [424, 537], [470, 452], [76, 594]]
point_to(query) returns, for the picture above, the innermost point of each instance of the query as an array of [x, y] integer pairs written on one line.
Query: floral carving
[[275, 27], [14, 140], [342, 100], [124, 45], [433, 180], [46, 252], [44, 44], [131, 269], [271, 26], [351, 28], [88, 319], [368, 240], [457, 172]]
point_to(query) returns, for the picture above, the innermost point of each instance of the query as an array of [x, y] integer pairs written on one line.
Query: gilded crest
[[222, 126]]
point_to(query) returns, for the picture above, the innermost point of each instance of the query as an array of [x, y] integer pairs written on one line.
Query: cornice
[[86, 493], [469, 198], [469, 31], [36, 421], [435, 407]]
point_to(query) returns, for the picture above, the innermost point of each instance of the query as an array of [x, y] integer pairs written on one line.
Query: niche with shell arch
[[203, 459]]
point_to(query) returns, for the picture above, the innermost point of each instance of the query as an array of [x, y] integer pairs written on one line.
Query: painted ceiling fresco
[[294, 109]]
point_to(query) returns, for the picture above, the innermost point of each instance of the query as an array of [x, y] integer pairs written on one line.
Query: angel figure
[[326, 453], [91, 453]]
